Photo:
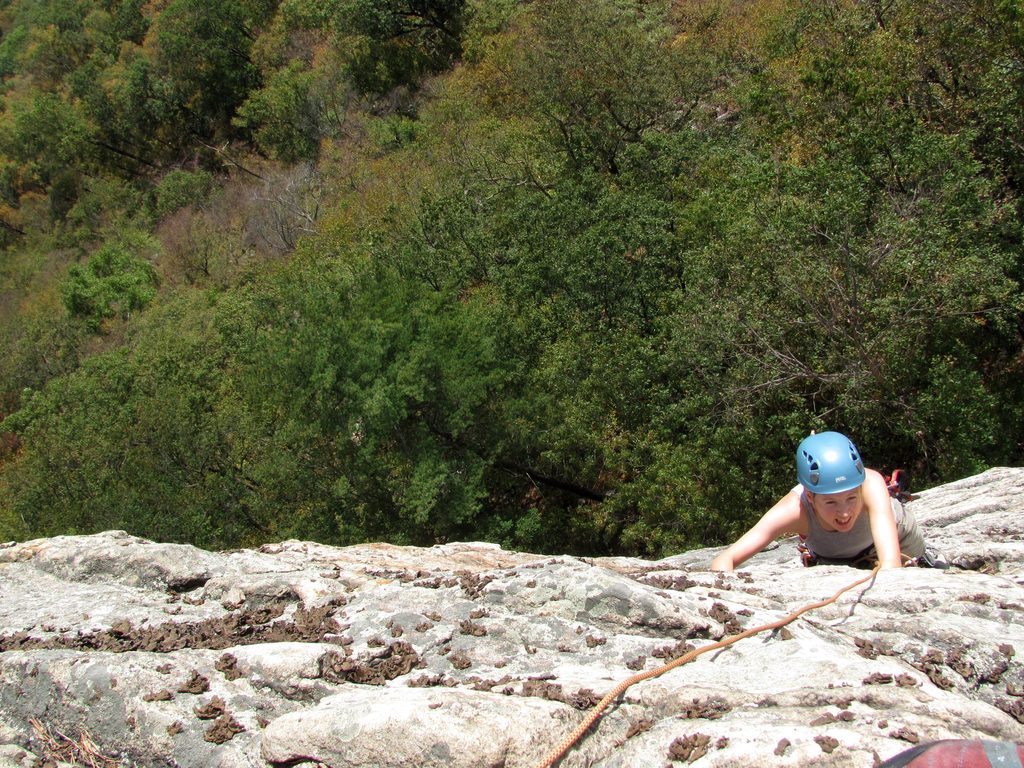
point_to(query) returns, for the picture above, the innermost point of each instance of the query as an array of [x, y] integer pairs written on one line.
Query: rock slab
[[131, 652]]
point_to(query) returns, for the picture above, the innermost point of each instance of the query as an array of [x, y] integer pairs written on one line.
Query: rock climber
[[842, 511]]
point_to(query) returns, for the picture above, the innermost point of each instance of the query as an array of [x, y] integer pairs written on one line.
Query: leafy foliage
[[112, 282], [569, 276], [403, 40], [181, 188]]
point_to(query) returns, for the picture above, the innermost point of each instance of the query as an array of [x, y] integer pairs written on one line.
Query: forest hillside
[[568, 276]]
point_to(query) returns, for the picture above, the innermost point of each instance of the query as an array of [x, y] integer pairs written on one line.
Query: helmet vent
[[814, 470], [855, 458]]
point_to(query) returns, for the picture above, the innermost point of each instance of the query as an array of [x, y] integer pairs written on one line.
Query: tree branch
[[554, 482]]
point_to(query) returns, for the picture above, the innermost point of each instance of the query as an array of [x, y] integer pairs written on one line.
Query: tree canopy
[[568, 276]]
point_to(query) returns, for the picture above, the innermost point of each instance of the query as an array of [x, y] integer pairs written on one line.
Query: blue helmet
[[829, 462]]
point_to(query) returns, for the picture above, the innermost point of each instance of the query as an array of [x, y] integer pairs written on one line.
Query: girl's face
[[837, 511]]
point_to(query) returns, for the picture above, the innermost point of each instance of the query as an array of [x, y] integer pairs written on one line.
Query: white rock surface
[[468, 655]]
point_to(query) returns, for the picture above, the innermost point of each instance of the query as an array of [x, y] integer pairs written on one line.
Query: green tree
[[178, 189], [283, 115], [49, 144], [598, 75], [584, 291], [399, 380], [113, 282], [403, 40], [202, 50], [140, 439]]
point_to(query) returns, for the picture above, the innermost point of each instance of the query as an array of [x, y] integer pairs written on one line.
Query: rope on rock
[[557, 753]]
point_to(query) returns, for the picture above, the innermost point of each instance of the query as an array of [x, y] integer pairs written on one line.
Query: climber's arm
[[878, 506], [784, 517]]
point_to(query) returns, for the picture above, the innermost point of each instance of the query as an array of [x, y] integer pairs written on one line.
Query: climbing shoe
[[932, 558]]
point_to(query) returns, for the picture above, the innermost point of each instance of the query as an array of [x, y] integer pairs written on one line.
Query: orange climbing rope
[[595, 713]]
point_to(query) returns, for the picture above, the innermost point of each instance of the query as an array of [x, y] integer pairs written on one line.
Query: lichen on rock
[[466, 654]]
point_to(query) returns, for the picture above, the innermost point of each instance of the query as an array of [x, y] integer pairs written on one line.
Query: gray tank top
[[836, 544], [842, 546]]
